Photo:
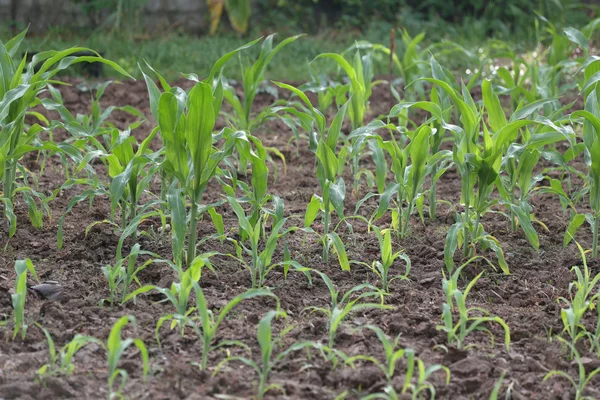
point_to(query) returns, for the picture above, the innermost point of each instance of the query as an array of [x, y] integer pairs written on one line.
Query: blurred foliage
[[238, 12], [483, 17], [113, 14]]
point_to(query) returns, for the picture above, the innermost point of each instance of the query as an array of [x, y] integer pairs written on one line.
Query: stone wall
[[40, 15]]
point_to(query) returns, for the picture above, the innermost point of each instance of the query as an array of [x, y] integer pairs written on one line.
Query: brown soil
[[526, 299]]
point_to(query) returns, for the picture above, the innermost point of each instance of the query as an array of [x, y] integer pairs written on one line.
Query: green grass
[[172, 53]]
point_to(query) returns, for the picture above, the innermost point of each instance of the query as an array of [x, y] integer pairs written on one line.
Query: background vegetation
[[116, 28]]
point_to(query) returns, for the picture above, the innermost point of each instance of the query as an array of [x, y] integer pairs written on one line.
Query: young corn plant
[[469, 318], [115, 348], [20, 294], [186, 121], [440, 160], [515, 181], [62, 362], [415, 368], [382, 267], [583, 378], [582, 298], [131, 165], [94, 128], [516, 188], [209, 323], [329, 169], [130, 172], [261, 261], [268, 356], [255, 191], [360, 74], [591, 140], [20, 86], [330, 165], [252, 77], [179, 292], [351, 301], [594, 337], [409, 178], [124, 273]]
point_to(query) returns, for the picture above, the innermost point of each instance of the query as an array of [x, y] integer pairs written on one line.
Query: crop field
[[424, 233]]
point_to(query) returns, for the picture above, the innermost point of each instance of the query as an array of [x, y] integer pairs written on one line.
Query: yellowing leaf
[[215, 8]]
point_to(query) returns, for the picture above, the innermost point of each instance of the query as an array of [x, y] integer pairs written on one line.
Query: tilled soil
[[526, 299]]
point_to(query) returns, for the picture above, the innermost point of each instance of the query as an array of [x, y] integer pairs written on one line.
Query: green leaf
[[335, 128], [217, 220], [337, 195], [312, 210], [328, 160], [419, 152], [496, 117], [576, 221], [451, 245], [238, 12], [577, 37], [178, 222], [339, 249], [525, 223], [198, 130]]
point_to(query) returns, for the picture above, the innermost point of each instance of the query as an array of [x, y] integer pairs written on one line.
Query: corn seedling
[[261, 261], [594, 337], [18, 92], [469, 318], [179, 292], [209, 323], [269, 359], [252, 77], [188, 136], [360, 74], [581, 300], [62, 362], [131, 166], [123, 273], [591, 140], [415, 368], [382, 267], [409, 178], [351, 301], [20, 294], [330, 165], [115, 347], [186, 121], [583, 378]]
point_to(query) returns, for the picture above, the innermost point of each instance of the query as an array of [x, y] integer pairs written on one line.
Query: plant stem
[[132, 212], [191, 253], [595, 237], [9, 178], [326, 222], [255, 272], [355, 175], [433, 196], [407, 219], [206, 346], [263, 383], [123, 214], [467, 220], [477, 223]]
